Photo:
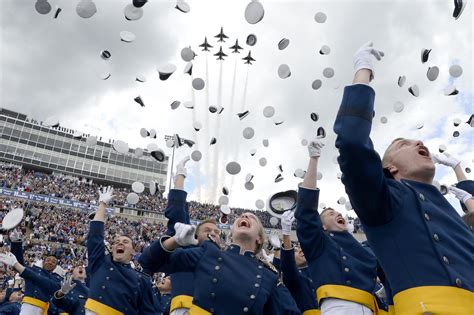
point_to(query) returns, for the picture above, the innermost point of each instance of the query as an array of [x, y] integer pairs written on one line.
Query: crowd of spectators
[[85, 190]]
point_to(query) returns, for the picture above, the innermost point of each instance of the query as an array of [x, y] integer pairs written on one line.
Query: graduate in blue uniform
[[11, 304], [421, 242], [162, 295], [227, 282], [35, 300], [182, 283], [294, 268], [115, 288], [72, 295], [343, 272]]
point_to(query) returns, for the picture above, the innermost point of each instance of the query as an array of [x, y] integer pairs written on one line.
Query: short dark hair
[[324, 211], [204, 222], [469, 220]]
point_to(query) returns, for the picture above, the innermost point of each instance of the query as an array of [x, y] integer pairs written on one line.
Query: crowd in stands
[[84, 190]]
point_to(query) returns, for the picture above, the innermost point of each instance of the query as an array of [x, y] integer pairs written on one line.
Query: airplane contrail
[[244, 98], [207, 131], [197, 171], [216, 151], [223, 175]]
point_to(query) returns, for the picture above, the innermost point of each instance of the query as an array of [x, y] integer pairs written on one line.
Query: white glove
[[8, 259], [314, 148], [184, 235], [363, 58], [275, 242], [445, 159], [462, 195], [181, 167], [15, 236], [286, 221], [67, 285], [106, 194], [266, 256]]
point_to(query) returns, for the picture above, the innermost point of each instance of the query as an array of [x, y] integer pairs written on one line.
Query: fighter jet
[[220, 54], [236, 47], [221, 36], [205, 45], [248, 59]]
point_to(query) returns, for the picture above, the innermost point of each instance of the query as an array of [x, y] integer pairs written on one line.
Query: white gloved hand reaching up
[[184, 235], [314, 148], [287, 221], [363, 58]]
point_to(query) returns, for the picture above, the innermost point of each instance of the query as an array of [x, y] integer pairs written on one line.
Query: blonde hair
[[386, 159], [261, 234]]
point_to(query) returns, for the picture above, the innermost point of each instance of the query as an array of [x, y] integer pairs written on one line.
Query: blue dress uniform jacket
[[10, 308], [227, 282], [114, 288], [299, 283], [162, 302], [340, 267], [34, 294], [73, 302], [182, 283], [425, 249]]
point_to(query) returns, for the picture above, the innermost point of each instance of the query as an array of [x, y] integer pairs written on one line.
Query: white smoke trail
[[215, 181]]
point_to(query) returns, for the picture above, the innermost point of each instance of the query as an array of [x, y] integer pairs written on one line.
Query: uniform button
[[436, 237], [344, 257], [256, 285], [458, 282], [427, 217], [252, 297], [422, 197], [111, 269], [347, 269], [348, 282], [331, 234], [259, 276], [100, 297], [107, 278], [103, 287], [246, 309], [219, 259], [217, 267], [213, 295], [214, 280], [446, 260], [260, 267]]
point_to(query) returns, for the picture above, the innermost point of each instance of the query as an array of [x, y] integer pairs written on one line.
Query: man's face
[[122, 249], [247, 228], [50, 263], [411, 159], [300, 259], [164, 286], [16, 297], [79, 273], [333, 221], [208, 228]]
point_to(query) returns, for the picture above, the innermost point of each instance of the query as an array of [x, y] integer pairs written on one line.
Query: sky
[[52, 67]]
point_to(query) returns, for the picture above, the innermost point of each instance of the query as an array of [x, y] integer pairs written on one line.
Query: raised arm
[[95, 238], [288, 264], [450, 161], [464, 197], [165, 255], [363, 174], [16, 246], [309, 228], [176, 210]]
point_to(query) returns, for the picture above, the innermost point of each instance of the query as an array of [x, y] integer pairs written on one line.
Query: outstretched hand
[[364, 56]]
